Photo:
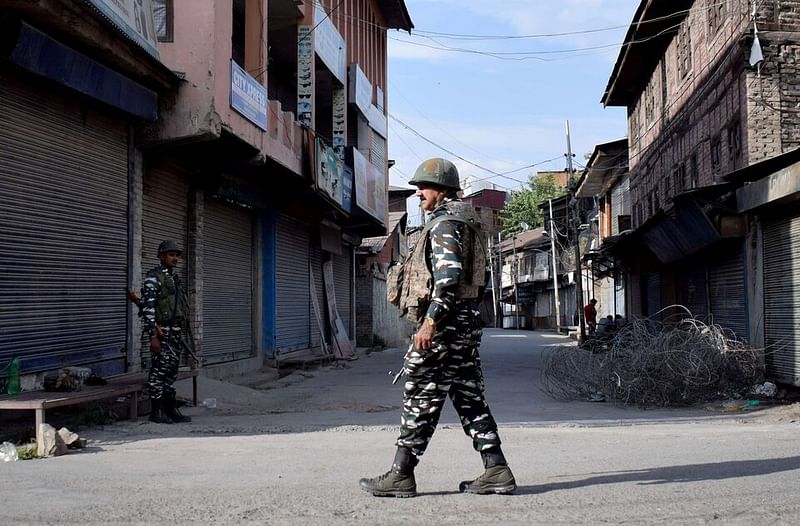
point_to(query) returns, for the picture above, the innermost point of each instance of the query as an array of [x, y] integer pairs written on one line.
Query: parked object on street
[[12, 377], [8, 452], [654, 364]]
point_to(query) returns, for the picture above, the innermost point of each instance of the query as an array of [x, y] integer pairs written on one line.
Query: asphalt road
[[292, 451]]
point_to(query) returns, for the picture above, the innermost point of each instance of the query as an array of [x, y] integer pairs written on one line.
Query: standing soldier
[[438, 287], [165, 311]]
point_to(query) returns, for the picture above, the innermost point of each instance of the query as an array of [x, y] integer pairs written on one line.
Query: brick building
[[711, 88]]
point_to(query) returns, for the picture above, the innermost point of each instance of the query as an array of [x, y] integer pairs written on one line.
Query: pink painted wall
[[202, 50]]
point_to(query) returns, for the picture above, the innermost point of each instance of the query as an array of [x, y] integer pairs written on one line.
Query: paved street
[[291, 452]]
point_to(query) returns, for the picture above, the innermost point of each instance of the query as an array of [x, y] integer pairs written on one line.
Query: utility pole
[[514, 268], [577, 221], [555, 267], [494, 285]]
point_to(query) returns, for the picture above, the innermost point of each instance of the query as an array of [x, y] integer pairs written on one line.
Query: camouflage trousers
[[450, 368], [164, 369]]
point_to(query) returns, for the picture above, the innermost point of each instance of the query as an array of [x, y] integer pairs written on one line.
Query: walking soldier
[[438, 287]]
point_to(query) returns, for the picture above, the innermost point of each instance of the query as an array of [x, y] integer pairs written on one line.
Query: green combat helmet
[[169, 246], [439, 172]]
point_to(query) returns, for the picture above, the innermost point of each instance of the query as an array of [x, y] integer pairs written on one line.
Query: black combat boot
[[496, 479], [157, 413], [398, 481], [171, 409]]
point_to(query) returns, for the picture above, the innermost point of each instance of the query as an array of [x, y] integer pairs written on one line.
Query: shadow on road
[[675, 474]]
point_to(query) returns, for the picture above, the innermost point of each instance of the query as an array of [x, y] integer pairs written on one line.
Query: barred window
[[650, 103], [694, 172], [716, 153], [734, 143], [684, 50], [163, 13], [717, 13]]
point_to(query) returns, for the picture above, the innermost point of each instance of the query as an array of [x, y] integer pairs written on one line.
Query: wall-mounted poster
[[329, 174], [370, 186]]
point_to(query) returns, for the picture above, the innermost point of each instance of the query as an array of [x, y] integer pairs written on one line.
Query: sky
[[508, 110]]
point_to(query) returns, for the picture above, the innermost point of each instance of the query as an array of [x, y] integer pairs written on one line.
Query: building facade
[[711, 91], [253, 132]]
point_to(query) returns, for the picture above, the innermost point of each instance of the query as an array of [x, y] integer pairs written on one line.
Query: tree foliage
[[524, 204]]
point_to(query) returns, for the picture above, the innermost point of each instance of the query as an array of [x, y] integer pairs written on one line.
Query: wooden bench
[[127, 384]]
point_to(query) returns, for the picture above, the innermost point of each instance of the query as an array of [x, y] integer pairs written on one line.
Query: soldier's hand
[[423, 340], [155, 345]]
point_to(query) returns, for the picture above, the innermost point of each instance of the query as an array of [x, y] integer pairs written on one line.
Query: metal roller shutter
[[782, 298], [63, 231], [293, 320], [227, 283], [727, 293], [378, 152], [165, 212], [652, 286], [693, 292], [342, 277]]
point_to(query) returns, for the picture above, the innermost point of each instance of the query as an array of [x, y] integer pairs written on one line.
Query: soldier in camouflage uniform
[[445, 360], [164, 312]]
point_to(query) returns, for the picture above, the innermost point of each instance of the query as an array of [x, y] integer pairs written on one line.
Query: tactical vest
[[166, 302], [409, 284]]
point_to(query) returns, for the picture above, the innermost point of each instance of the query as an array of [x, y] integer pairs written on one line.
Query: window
[[238, 33], [634, 123], [694, 172], [684, 50], [679, 178], [650, 103], [717, 13], [163, 15], [716, 153], [735, 143]]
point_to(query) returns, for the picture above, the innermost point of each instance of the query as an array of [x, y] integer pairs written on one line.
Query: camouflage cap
[[439, 172], [169, 246]]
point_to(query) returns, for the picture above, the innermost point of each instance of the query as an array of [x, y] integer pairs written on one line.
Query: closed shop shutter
[[782, 299], [727, 292], [63, 231], [292, 312], [342, 277], [543, 301], [165, 213], [693, 291], [652, 287], [568, 305], [227, 283]]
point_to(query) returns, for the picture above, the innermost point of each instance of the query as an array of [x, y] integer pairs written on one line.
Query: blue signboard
[[248, 96]]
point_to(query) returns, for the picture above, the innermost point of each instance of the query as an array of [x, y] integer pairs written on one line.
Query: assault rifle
[[136, 300]]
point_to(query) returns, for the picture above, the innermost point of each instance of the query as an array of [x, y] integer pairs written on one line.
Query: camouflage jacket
[[446, 269], [164, 300]]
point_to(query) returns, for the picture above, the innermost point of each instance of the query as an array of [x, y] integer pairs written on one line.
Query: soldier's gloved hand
[[155, 345]]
